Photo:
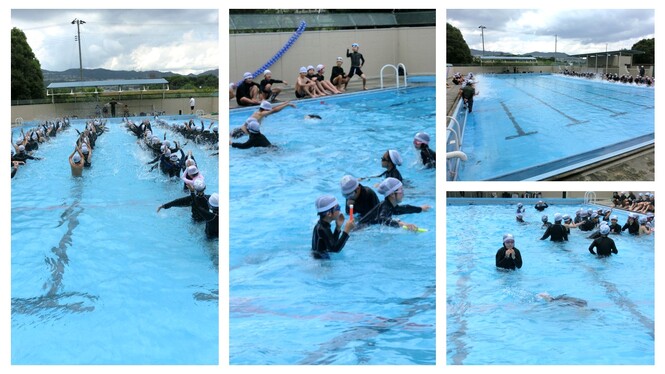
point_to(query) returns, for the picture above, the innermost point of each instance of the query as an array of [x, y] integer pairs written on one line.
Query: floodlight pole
[[78, 22], [482, 35]]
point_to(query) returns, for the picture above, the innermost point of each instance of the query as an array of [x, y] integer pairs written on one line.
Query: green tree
[[457, 51], [27, 78], [648, 46]]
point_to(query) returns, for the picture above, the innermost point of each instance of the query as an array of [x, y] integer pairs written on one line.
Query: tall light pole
[[78, 23], [482, 34]]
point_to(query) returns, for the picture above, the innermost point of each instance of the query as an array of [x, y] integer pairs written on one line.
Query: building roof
[[118, 82], [623, 52]]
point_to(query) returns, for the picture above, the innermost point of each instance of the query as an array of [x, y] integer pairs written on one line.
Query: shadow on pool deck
[[634, 166]]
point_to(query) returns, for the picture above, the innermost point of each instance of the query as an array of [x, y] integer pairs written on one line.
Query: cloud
[[180, 40]]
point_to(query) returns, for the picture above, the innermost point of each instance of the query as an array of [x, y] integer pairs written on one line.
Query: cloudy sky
[[578, 31], [182, 41]]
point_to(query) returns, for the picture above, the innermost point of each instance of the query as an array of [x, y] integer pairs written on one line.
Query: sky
[[577, 31], [183, 41]]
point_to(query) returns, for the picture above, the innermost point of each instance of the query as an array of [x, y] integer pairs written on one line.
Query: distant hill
[[72, 75], [559, 55]]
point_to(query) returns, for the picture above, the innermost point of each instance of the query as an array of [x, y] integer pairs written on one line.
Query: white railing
[[200, 112], [19, 121], [589, 197], [396, 73]]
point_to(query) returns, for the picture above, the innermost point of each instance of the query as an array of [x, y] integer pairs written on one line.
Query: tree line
[[27, 80]]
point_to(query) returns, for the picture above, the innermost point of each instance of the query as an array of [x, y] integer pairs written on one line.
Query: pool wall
[[509, 201], [415, 47]]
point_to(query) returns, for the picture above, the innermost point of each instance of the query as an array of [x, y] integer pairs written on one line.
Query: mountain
[[559, 55], [72, 75]]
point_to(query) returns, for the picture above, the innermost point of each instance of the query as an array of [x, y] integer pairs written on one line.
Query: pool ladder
[[589, 197], [396, 73], [455, 136], [19, 121]]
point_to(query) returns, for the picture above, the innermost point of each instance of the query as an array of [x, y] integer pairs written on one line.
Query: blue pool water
[[97, 275], [528, 127], [494, 316], [373, 303]]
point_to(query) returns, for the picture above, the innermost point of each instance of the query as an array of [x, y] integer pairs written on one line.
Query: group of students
[[81, 156], [363, 206], [643, 203], [28, 142], [310, 82], [174, 163], [600, 223]]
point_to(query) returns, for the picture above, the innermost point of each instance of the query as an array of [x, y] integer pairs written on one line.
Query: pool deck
[[288, 91], [634, 166]]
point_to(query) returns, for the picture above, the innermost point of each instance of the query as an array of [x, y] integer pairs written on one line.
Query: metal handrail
[[396, 74]]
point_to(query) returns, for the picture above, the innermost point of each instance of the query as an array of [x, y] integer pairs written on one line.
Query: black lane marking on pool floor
[[328, 350], [614, 113], [54, 300], [621, 100], [518, 128], [574, 121]]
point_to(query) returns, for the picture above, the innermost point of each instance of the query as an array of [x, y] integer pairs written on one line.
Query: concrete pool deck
[[634, 166]]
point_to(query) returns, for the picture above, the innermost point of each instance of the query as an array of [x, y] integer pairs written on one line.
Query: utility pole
[[78, 23]]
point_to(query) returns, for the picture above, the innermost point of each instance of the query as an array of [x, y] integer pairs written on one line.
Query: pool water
[[528, 127], [372, 303], [494, 316], [97, 275]]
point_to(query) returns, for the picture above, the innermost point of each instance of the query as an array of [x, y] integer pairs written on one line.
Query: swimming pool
[[97, 275], [533, 126], [494, 316], [373, 303]]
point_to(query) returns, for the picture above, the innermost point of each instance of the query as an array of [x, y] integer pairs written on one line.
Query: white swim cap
[[508, 237], [303, 70], [253, 125], [355, 45], [605, 229], [192, 170], [265, 105], [199, 185], [267, 72], [544, 218], [395, 157], [348, 184], [320, 67], [213, 200], [247, 75], [389, 185], [340, 59], [325, 203], [558, 217], [76, 157], [310, 67], [422, 137]]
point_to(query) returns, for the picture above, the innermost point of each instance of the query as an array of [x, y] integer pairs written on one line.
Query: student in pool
[[362, 198], [324, 240], [556, 232], [631, 225], [256, 139], [644, 228], [210, 214], [508, 257], [615, 227], [563, 299], [383, 214], [196, 199], [76, 163], [604, 245], [427, 156]]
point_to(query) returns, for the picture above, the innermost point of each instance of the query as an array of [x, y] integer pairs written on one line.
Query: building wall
[[414, 47], [42, 112]]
